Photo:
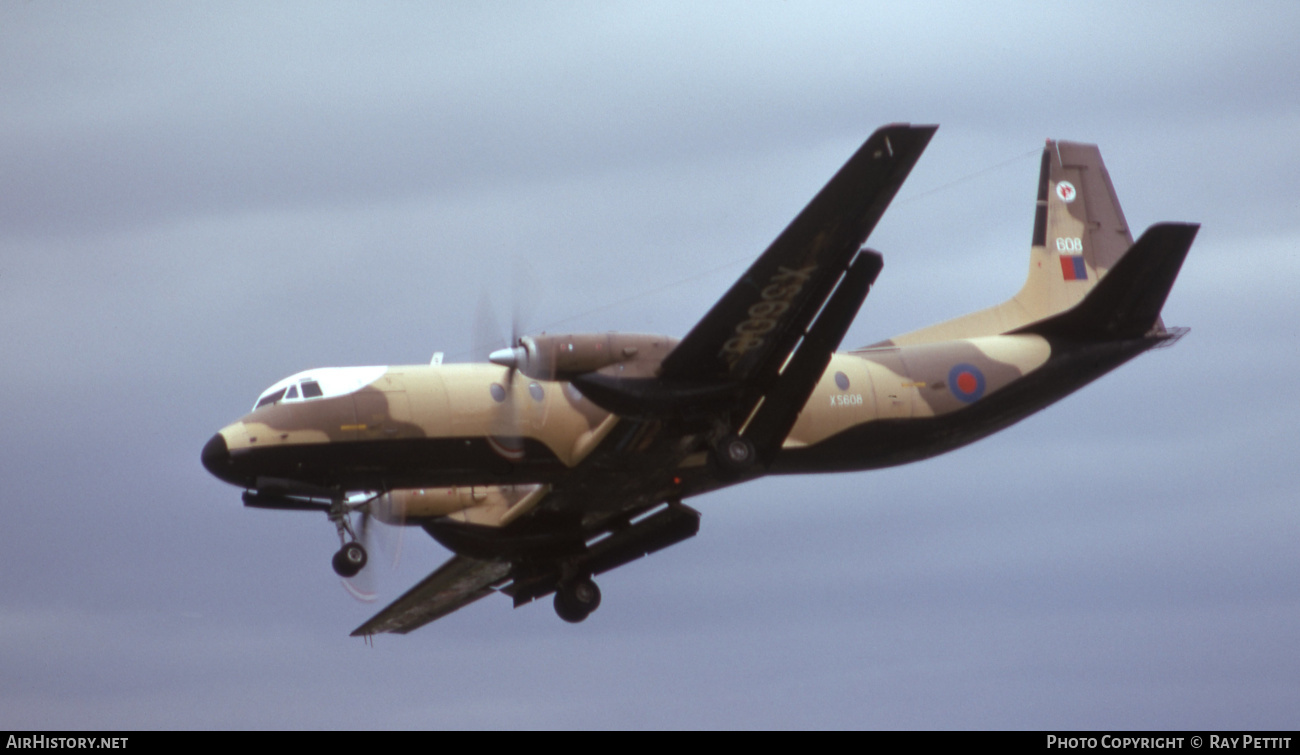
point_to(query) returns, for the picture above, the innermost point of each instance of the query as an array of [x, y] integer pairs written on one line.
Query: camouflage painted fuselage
[[422, 426]]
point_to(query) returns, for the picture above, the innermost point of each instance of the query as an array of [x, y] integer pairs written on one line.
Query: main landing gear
[[575, 599], [734, 455]]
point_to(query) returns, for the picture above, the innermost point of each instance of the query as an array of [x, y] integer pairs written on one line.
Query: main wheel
[[349, 560], [734, 454], [575, 600]]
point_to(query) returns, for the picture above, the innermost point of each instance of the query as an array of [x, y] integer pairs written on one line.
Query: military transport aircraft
[[569, 455]]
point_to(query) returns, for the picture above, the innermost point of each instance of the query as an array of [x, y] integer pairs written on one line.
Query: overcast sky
[[197, 200]]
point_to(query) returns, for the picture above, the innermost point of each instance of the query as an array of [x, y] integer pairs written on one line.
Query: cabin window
[[536, 392], [310, 389], [842, 381], [498, 392]]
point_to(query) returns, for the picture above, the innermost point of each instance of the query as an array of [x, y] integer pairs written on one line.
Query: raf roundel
[[1065, 190], [966, 382]]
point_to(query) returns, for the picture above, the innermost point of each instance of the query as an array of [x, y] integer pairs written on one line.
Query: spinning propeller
[[352, 562], [506, 437]]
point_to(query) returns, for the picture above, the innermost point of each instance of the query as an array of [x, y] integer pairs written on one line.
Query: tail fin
[[1079, 229], [1079, 234]]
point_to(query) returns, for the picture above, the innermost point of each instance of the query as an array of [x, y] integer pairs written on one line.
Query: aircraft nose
[[216, 457]]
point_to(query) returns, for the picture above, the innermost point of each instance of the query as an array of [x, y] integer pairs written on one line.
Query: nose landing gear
[[575, 599], [351, 558]]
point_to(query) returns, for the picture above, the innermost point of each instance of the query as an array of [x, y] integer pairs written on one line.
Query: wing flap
[[457, 583], [780, 409]]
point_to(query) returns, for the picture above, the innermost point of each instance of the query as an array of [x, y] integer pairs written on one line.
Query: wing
[[751, 330], [529, 560], [457, 583], [757, 354]]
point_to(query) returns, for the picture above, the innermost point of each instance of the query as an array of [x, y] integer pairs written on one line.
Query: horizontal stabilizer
[[1126, 303]]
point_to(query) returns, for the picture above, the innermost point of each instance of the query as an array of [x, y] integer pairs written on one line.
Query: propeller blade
[[364, 586], [487, 332], [506, 434]]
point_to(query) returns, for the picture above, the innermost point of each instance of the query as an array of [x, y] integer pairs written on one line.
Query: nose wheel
[[349, 560], [576, 599]]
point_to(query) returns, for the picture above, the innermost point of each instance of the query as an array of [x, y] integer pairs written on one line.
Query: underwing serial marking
[[763, 316]]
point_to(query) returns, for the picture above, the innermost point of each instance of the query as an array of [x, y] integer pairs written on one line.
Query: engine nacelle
[[563, 356], [477, 504]]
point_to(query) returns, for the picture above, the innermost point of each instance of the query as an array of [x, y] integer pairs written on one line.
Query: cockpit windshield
[[320, 383]]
